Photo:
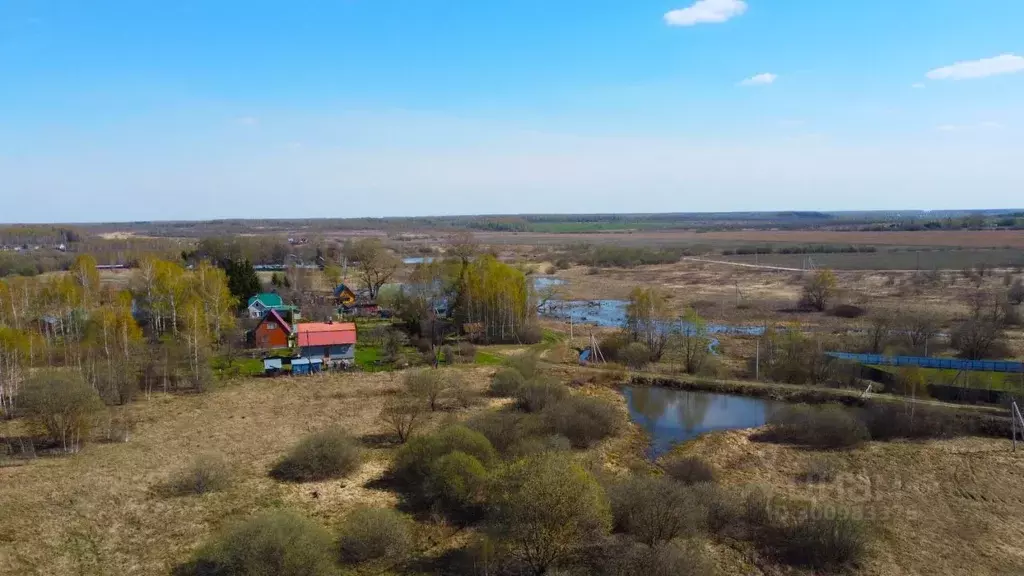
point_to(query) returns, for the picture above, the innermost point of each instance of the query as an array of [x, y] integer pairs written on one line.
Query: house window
[[271, 325]]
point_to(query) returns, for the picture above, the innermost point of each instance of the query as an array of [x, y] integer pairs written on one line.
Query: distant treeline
[[607, 256], [805, 249]]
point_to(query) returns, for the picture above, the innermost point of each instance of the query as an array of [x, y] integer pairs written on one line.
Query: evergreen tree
[[242, 279]]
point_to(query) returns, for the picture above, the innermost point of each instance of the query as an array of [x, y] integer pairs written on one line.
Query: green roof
[[268, 299]]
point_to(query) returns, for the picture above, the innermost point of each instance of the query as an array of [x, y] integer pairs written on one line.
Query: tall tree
[[648, 320], [243, 281], [376, 265]]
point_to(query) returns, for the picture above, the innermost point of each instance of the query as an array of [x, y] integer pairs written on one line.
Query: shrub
[[207, 473], [530, 334], [462, 393], [888, 421], [622, 557], [820, 469], [539, 393], [543, 508], [466, 351], [375, 533], [828, 427], [583, 420], [689, 469], [328, 454], [428, 384], [278, 543], [506, 430], [525, 364], [635, 355], [724, 510], [822, 537], [403, 414], [655, 509], [534, 445], [413, 462], [62, 406], [612, 345], [457, 481], [506, 382]]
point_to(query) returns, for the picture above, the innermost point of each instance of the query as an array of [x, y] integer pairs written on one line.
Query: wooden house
[[332, 342], [344, 296], [272, 332]]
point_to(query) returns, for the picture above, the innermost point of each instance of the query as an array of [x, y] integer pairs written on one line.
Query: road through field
[[741, 264]]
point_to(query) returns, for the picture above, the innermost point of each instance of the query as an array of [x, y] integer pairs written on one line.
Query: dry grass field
[[101, 512], [951, 507]]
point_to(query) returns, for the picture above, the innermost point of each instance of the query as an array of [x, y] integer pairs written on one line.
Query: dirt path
[[742, 264]]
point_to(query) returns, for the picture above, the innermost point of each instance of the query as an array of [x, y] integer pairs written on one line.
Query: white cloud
[[760, 79], [248, 121], [1002, 64], [706, 12], [917, 85]]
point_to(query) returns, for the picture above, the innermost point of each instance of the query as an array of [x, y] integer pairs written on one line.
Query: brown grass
[[939, 507], [100, 512]]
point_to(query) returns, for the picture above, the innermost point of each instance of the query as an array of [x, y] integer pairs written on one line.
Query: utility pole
[[757, 361]]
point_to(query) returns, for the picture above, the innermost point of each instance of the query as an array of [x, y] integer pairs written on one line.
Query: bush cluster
[[375, 533], [207, 473], [448, 468], [328, 454], [277, 543], [583, 420], [506, 383], [539, 393], [828, 427], [689, 469]]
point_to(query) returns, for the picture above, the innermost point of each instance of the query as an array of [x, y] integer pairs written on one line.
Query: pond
[[673, 416], [417, 260]]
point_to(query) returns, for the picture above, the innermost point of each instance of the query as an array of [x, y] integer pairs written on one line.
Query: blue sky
[[197, 109]]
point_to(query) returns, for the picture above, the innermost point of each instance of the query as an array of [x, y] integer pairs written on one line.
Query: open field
[[893, 259], [948, 238], [98, 512], [101, 511], [937, 507]]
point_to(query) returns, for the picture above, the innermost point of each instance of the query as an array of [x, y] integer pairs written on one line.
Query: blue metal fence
[[926, 362]]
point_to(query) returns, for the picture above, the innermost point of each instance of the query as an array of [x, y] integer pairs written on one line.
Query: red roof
[[273, 315], [325, 334]]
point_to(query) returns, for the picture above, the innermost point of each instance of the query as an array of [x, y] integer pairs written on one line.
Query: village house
[[262, 303], [273, 331], [332, 342]]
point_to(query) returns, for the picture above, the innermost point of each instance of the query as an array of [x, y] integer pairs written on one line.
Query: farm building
[[273, 331], [332, 342]]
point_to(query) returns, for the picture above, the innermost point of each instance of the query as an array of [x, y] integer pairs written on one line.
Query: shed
[[306, 366], [272, 366]]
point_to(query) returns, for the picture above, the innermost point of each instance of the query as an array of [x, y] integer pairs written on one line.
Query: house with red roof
[[272, 331], [333, 342]]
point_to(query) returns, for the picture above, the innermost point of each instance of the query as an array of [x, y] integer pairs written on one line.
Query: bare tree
[[878, 331], [403, 414], [919, 327], [977, 339], [374, 262]]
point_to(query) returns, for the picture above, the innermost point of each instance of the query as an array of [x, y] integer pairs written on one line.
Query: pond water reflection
[[673, 416]]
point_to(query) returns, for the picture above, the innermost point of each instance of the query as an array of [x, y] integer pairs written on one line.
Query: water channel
[[673, 416]]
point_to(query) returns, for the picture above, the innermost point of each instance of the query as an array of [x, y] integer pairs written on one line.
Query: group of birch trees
[[155, 332]]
